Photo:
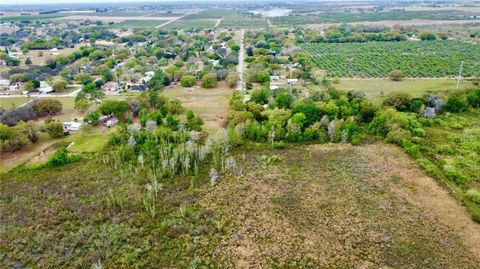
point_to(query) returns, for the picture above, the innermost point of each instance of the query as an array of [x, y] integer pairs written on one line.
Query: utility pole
[[459, 75]]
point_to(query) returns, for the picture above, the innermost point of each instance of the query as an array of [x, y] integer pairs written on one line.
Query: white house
[[292, 80], [4, 84], [274, 78], [111, 122], [46, 90], [273, 87], [71, 126], [149, 74], [54, 51]]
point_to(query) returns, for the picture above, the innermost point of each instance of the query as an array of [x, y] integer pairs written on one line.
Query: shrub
[[474, 195], [241, 116], [61, 158], [473, 98], [306, 106], [396, 75], [117, 108], [260, 96], [55, 129], [232, 79], [47, 106], [188, 81], [209, 81], [278, 145], [397, 136], [400, 101], [445, 149], [59, 85], [453, 174], [284, 100], [455, 105]]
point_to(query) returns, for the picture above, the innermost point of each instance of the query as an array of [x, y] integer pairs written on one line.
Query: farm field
[[32, 18], [386, 213], [377, 59], [138, 23], [377, 89], [187, 24], [340, 17]]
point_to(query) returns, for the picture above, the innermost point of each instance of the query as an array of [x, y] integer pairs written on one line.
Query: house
[[149, 74], [71, 126], [4, 84], [54, 51], [273, 87], [110, 87], [214, 62], [145, 80], [46, 90], [111, 122], [275, 78], [292, 80], [138, 87]]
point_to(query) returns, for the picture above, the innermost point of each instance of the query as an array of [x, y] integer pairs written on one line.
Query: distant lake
[[276, 12]]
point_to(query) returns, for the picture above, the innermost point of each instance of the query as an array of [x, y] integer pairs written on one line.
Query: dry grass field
[[210, 104], [340, 206]]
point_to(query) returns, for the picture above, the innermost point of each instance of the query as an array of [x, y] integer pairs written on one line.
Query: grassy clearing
[[89, 143], [377, 89], [32, 18], [210, 104], [319, 206], [186, 24], [8, 103]]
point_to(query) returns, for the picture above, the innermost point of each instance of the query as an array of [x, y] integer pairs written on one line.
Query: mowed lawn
[[377, 89]]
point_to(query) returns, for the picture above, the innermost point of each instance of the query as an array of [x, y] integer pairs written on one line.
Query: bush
[[396, 75], [55, 129], [474, 195], [278, 145], [232, 79], [209, 81], [117, 108], [59, 85], [453, 174], [284, 100], [397, 136], [47, 106], [260, 96], [309, 109], [473, 98], [400, 101], [61, 158], [188, 81], [455, 105]]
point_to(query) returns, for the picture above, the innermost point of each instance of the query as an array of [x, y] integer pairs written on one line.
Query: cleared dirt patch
[[341, 206]]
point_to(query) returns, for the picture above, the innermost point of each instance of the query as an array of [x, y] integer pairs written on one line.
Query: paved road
[[240, 62]]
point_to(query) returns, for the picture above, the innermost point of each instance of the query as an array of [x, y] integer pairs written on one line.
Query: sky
[[24, 2]]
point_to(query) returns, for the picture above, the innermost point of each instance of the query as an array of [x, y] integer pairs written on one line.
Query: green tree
[[47, 106], [232, 79], [114, 107], [188, 81], [396, 75], [5, 133], [59, 85], [284, 100], [55, 129], [209, 80]]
